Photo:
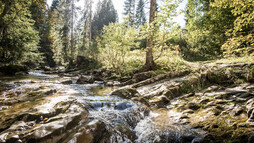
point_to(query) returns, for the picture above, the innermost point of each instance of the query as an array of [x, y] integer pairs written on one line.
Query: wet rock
[[55, 121], [126, 92], [112, 83], [4, 86], [188, 138], [67, 81], [237, 110], [220, 102], [188, 111], [247, 124], [245, 95], [209, 89], [94, 131], [188, 95], [184, 116], [159, 101], [122, 106], [85, 80], [204, 101], [193, 106]]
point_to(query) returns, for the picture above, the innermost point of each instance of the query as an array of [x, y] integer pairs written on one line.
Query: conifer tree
[[140, 18], [129, 11], [104, 15]]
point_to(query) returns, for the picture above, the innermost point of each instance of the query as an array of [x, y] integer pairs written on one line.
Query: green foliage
[[115, 46], [18, 38], [219, 26], [241, 35], [42, 16]]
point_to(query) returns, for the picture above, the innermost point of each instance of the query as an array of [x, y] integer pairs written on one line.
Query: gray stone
[[85, 80]]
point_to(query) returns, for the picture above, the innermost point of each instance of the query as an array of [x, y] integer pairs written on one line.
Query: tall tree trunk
[[6, 9], [149, 53], [72, 32], [90, 22]]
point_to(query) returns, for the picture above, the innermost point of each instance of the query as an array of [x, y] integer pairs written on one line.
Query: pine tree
[[104, 15], [54, 5], [40, 14], [87, 31], [66, 30], [63, 29], [129, 11], [140, 18]]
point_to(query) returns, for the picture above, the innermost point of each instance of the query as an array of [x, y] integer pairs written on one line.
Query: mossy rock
[[126, 93]]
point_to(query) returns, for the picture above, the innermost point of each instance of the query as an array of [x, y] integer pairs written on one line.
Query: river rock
[[54, 119], [159, 101], [126, 92], [66, 81], [85, 80], [113, 83], [193, 106], [95, 131]]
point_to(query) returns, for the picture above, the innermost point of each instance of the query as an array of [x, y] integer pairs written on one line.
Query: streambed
[[40, 108]]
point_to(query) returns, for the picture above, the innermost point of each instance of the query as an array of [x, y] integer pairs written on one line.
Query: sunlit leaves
[[241, 35]]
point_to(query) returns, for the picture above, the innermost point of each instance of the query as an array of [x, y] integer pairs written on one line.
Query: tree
[[149, 53], [18, 38], [129, 11], [87, 20], [140, 18], [104, 15], [66, 30], [54, 5], [41, 16], [240, 41], [206, 28]]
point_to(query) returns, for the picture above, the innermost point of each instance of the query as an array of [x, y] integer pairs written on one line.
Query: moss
[[251, 68], [192, 84], [157, 72], [222, 128]]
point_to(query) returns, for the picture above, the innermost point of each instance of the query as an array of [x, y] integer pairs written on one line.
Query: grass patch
[[243, 60]]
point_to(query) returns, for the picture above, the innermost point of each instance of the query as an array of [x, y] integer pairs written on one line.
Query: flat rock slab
[[51, 119]]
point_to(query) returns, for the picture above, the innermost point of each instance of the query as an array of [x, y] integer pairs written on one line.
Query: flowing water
[[126, 120]]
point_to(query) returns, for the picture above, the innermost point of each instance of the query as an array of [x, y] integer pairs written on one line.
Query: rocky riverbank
[[215, 98]]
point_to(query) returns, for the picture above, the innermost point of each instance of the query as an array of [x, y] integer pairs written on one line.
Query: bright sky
[[119, 7]]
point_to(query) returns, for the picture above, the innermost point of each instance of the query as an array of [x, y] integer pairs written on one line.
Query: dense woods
[[35, 34]]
